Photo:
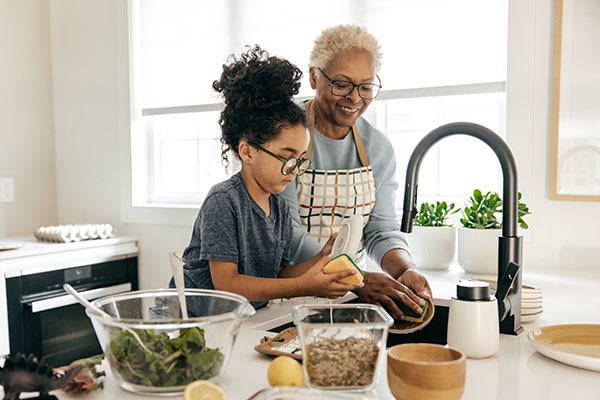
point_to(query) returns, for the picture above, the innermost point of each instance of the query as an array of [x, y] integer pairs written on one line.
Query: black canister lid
[[473, 290]]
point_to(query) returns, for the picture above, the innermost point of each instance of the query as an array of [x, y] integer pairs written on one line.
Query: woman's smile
[[350, 110]]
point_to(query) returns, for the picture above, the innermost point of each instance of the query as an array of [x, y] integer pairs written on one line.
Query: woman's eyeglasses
[[288, 164], [344, 88]]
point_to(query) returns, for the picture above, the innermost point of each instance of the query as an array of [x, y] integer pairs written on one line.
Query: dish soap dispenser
[[473, 326]]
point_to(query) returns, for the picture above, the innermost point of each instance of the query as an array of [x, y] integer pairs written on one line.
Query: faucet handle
[[504, 286]]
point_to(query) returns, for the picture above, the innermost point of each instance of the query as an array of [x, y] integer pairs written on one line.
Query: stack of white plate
[[531, 301]]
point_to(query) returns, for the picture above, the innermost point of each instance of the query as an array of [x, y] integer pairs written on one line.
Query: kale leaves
[[174, 362]]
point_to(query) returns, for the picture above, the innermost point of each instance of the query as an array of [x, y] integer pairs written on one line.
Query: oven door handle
[[66, 300]]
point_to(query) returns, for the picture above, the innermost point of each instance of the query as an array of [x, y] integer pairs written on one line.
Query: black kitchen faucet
[[510, 246]]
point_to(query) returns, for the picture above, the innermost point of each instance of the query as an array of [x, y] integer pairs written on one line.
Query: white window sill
[[160, 214]]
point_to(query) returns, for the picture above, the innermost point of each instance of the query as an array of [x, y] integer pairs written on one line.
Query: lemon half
[[285, 371], [203, 390]]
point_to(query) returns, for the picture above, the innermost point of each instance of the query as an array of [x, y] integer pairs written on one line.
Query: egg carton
[[74, 233]]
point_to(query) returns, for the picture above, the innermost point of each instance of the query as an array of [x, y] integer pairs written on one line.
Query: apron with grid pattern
[[327, 197]]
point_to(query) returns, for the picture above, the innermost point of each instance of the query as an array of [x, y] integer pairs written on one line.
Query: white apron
[[327, 197]]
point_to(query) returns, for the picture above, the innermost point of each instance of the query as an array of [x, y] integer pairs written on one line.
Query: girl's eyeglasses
[[288, 164]]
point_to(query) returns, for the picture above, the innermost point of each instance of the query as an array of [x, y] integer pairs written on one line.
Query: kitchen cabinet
[[43, 319]]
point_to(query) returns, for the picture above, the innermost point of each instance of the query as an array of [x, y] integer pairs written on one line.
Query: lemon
[[203, 390], [285, 371]]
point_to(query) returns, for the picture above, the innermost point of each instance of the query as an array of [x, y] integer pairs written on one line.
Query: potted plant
[[478, 236], [433, 241]]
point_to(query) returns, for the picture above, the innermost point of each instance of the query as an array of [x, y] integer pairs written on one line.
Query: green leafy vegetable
[[434, 215], [174, 362]]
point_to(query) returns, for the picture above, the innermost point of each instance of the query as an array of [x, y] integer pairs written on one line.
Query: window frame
[[183, 202]]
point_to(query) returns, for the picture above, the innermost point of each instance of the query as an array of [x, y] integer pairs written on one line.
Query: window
[[448, 163], [443, 62]]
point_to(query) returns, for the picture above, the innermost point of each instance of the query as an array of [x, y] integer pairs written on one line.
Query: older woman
[[353, 168]]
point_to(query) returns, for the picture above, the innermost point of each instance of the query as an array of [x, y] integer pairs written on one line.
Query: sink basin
[[434, 332]]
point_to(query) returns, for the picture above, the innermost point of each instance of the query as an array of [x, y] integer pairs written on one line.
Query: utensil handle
[[96, 310], [66, 300], [69, 289], [177, 270]]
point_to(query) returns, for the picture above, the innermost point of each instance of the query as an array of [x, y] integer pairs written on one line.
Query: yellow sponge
[[342, 263]]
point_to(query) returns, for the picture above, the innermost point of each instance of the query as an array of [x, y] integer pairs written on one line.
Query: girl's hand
[[318, 283], [327, 247]]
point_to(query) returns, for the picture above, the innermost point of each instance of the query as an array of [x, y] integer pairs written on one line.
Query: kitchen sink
[[434, 332]]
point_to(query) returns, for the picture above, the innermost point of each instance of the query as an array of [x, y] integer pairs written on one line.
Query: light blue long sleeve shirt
[[382, 232]]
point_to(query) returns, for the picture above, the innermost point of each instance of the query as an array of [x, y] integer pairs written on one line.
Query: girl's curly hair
[[258, 91]]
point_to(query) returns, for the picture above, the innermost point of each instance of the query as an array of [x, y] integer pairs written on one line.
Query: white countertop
[[517, 371], [32, 246], [36, 256]]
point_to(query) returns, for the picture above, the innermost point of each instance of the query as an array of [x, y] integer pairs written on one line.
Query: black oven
[[46, 321]]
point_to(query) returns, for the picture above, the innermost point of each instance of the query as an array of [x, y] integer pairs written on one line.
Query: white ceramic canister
[[433, 247], [473, 320]]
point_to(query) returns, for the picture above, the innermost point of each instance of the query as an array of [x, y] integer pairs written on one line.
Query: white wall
[[84, 71], [562, 234], [91, 101], [91, 111], [26, 132]]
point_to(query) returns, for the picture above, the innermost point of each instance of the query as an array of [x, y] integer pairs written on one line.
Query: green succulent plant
[[434, 215], [483, 210]]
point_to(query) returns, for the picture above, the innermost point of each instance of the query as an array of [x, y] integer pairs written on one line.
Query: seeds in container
[[342, 362]]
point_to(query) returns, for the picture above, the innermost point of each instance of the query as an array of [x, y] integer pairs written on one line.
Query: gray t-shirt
[[231, 227]]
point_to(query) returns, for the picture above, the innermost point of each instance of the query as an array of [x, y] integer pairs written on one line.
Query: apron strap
[[362, 154]]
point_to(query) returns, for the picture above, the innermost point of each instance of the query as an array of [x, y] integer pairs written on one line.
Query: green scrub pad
[[409, 314]]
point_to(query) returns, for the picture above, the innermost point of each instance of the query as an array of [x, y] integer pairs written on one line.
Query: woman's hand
[[327, 247], [381, 289], [321, 284], [417, 282]]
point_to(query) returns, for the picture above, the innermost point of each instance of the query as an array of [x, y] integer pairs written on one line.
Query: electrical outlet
[[7, 190]]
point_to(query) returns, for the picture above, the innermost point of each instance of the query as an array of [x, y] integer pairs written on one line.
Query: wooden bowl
[[425, 371]]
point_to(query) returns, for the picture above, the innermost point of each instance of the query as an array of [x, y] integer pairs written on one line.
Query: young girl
[[241, 237]]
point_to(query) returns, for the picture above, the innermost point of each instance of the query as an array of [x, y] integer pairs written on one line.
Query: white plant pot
[[478, 250], [433, 247]]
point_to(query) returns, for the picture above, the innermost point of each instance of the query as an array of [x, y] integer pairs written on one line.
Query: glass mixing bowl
[[342, 344], [151, 349]]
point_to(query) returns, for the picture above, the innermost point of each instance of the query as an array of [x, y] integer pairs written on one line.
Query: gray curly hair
[[333, 40]]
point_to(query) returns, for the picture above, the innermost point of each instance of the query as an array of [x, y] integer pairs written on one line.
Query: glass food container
[[151, 349], [292, 393], [342, 344]]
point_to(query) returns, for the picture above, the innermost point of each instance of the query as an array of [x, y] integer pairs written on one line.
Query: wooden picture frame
[[575, 157]]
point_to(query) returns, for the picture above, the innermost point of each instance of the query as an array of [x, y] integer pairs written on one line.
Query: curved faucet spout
[[509, 245], [507, 162]]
